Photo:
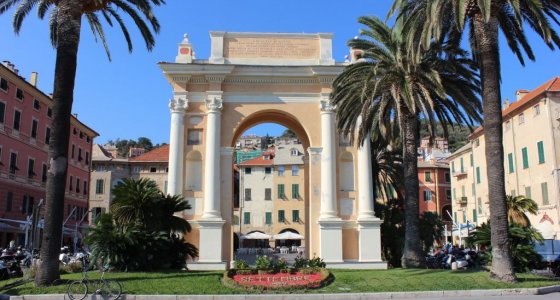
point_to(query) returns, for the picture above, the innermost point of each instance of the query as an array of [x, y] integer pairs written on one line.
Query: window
[[267, 194], [525, 157], [3, 84], [540, 148], [544, 191], [510, 163], [537, 110], [477, 174], [19, 94], [49, 112], [194, 137], [36, 104], [70, 186], [293, 152], [507, 125], [246, 218], [521, 118], [153, 169], [248, 194], [428, 176], [136, 169], [281, 192], [472, 159], [464, 217], [77, 185], [473, 189], [165, 187], [268, 218], [455, 217], [268, 170], [448, 195], [87, 139], [528, 192], [85, 187], [2, 112], [453, 167], [295, 191], [73, 150], [281, 216], [475, 217], [295, 216], [87, 158], [79, 154], [454, 193], [248, 171], [17, 119], [27, 207], [280, 170], [480, 211], [9, 201], [99, 186], [13, 163], [81, 135], [447, 177], [44, 173], [462, 166], [428, 195], [295, 170], [47, 135], [34, 125], [463, 191], [31, 168]]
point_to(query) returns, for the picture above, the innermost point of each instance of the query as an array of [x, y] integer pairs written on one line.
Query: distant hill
[[458, 134]]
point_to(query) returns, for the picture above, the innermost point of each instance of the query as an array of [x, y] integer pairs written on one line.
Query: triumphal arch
[[253, 78]]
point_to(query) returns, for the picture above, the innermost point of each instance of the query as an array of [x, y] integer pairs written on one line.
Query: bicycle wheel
[[111, 289], [77, 290]]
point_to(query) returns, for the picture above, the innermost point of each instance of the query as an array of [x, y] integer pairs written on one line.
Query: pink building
[[25, 118], [435, 188]]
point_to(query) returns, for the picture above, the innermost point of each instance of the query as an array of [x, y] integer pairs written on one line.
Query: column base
[[369, 244], [208, 266], [356, 265], [210, 242], [330, 235]]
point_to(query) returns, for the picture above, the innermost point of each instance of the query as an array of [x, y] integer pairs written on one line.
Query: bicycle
[[107, 288]]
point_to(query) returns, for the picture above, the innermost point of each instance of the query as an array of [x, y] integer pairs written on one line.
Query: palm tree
[[427, 20], [386, 167], [65, 20], [390, 92], [134, 202], [518, 207]]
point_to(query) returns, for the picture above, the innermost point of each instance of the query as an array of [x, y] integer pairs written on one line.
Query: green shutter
[[462, 166], [295, 191], [464, 217], [246, 218], [455, 217], [525, 158], [281, 194], [528, 192], [268, 217], [295, 216], [540, 147], [473, 189], [454, 194], [544, 190], [474, 216], [477, 174], [510, 162], [472, 160], [165, 187], [281, 216], [452, 167]]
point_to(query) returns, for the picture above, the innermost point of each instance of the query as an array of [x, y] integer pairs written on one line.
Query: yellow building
[[531, 128]]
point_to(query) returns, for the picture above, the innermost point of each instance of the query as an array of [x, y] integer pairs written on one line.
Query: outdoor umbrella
[[288, 235]]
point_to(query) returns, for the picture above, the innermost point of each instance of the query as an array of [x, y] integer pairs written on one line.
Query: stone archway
[[253, 78]]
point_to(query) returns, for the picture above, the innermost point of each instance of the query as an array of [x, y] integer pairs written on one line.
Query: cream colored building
[[531, 128], [254, 78], [289, 211]]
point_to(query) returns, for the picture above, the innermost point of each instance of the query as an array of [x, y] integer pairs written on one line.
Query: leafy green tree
[[426, 20], [134, 202], [518, 207], [390, 92], [65, 21], [288, 133], [522, 240]]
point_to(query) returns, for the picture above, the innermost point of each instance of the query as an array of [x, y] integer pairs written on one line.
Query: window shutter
[[540, 147], [525, 158]]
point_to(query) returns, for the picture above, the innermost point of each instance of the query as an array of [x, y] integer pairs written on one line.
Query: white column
[[177, 106], [328, 167], [212, 159], [365, 179]]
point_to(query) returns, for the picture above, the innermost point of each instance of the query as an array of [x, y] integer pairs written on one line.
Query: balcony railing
[[462, 200]]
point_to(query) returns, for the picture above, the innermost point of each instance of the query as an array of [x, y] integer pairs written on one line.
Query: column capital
[[179, 104], [326, 104], [214, 102], [227, 151], [314, 150]]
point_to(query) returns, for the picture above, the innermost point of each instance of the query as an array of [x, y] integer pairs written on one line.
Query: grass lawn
[[346, 281]]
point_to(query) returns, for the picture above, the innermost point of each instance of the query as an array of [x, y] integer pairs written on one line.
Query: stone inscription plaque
[[279, 48]]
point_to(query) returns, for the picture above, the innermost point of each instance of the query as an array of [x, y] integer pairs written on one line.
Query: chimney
[[506, 104], [34, 78], [185, 51], [520, 94]]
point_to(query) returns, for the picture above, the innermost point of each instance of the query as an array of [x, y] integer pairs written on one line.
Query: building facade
[[531, 139], [435, 189], [25, 120], [249, 79]]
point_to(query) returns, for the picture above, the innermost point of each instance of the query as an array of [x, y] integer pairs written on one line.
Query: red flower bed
[[279, 280]]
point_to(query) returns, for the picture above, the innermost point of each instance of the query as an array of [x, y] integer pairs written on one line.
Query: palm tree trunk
[[486, 34], [68, 33], [412, 252]]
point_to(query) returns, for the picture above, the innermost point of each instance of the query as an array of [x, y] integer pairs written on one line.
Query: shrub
[[264, 263], [316, 262], [280, 264], [300, 262], [240, 264]]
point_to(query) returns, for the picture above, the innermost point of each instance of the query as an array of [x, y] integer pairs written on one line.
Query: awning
[[256, 236], [6, 227], [288, 235]]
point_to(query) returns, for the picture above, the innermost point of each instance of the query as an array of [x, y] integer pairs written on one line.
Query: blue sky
[[128, 97]]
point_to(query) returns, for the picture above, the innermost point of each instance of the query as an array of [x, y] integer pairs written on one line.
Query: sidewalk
[[349, 296]]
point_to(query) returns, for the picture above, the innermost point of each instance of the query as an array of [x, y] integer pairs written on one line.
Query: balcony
[[462, 200], [459, 173]]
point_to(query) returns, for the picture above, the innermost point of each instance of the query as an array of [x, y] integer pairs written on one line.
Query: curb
[[349, 296]]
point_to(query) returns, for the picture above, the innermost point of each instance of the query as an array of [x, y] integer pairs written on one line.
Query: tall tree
[[390, 92], [427, 20], [65, 20]]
